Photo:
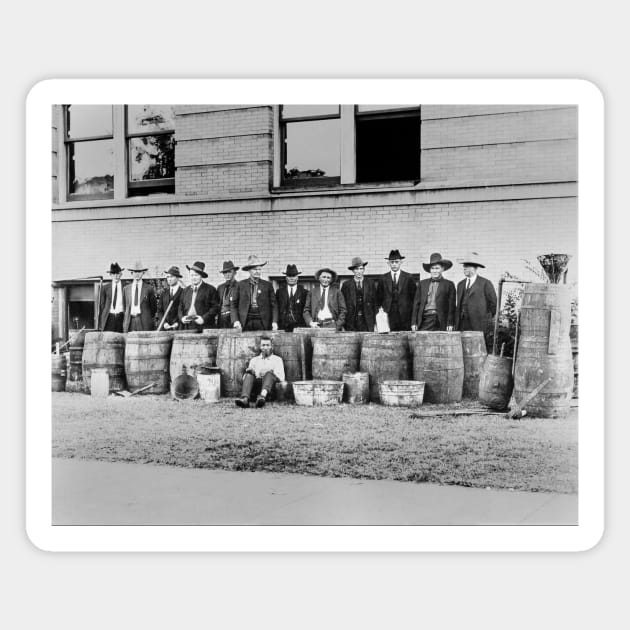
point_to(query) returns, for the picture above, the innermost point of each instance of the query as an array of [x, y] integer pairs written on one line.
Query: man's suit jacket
[[206, 306], [106, 303], [406, 295], [370, 302], [221, 290], [336, 304], [482, 304], [265, 298], [163, 302], [444, 303], [291, 309], [148, 305]]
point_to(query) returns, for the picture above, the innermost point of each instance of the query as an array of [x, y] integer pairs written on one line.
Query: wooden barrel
[[573, 335], [334, 355], [385, 357], [401, 393], [58, 372], [308, 334], [290, 348], [190, 350], [495, 382], [544, 351], [234, 352], [147, 359], [475, 353], [438, 361], [356, 389], [74, 377], [105, 350]]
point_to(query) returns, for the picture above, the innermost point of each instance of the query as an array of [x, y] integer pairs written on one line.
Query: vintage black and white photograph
[[320, 314]]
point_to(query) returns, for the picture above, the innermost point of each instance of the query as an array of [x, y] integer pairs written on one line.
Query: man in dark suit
[[254, 305], [140, 302], [397, 291], [360, 295], [226, 294], [476, 299], [325, 305], [434, 306], [291, 299], [112, 302], [199, 304], [168, 302]]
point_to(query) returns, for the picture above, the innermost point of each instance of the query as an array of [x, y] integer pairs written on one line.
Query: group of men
[[252, 304]]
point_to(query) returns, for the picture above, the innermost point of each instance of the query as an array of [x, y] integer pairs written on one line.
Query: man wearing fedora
[[397, 291], [476, 299], [199, 304], [360, 295], [325, 305], [225, 292], [168, 302], [254, 305], [140, 302], [434, 306], [112, 302], [291, 299]]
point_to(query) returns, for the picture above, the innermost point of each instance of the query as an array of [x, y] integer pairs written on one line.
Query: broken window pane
[[147, 118]]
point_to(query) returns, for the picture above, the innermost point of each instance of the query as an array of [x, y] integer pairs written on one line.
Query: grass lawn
[[367, 441]]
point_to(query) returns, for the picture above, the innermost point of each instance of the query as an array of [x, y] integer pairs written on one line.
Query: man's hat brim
[[248, 267], [353, 267], [329, 270], [473, 264], [200, 271], [444, 263]]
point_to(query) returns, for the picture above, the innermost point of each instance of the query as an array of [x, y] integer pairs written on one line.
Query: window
[[311, 144], [118, 151], [387, 143], [151, 149], [332, 144], [90, 151]]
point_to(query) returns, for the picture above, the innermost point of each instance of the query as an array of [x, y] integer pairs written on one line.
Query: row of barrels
[[450, 363]]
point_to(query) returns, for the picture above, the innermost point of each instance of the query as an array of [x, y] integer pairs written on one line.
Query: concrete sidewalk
[[102, 493]]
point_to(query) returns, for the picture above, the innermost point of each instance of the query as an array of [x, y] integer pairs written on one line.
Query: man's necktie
[[467, 284], [395, 278], [322, 300], [135, 296], [115, 294]]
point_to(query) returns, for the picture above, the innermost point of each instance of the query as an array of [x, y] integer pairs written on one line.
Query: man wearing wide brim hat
[[397, 290], [476, 299], [360, 294], [291, 299], [199, 304], [112, 304], [140, 302], [434, 306], [254, 305], [168, 301], [226, 293], [325, 305]]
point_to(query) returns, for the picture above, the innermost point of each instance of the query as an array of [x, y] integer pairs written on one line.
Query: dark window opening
[[388, 147]]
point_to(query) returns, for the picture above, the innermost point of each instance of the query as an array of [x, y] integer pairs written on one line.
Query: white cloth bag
[[382, 321]]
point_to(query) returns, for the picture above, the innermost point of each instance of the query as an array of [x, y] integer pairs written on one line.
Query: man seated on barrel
[[261, 375]]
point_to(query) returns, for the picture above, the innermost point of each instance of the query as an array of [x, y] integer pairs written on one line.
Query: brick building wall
[[499, 180]]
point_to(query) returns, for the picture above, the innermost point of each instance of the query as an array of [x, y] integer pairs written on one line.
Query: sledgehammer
[[518, 411]]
